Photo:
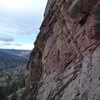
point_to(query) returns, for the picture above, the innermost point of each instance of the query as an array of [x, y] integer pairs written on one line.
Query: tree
[[3, 95], [14, 96], [24, 95], [97, 17]]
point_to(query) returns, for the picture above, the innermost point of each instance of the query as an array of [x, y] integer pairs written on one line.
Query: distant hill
[[23, 53], [10, 59]]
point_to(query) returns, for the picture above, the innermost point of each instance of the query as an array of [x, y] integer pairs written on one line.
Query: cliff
[[65, 62]]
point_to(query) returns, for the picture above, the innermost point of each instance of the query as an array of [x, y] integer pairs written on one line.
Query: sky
[[20, 21]]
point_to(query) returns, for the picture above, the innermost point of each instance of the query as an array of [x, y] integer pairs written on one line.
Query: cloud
[[25, 21], [6, 39], [8, 44], [20, 26], [11, 26], [12, 45], [17, 44], [18, 5], [27, 46], [5, 44]]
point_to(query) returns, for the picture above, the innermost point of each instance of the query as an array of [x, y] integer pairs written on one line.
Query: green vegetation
[[45, 54], [59, 40], [14, 96], [3, 95], [97, 13], [12, 74], [9, 79], [24, 95], [97, 17], [23, 53], [8, 60], [17, 84], [5, 91]]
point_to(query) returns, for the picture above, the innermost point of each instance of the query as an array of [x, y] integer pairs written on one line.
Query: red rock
[[64, 64]]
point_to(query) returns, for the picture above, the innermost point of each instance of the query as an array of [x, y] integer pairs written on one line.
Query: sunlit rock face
[[65, 62]]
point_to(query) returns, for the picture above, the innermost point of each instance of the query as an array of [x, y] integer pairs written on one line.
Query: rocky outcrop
[[65, 62]]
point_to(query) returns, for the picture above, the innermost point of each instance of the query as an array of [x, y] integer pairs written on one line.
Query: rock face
[[65, 62]]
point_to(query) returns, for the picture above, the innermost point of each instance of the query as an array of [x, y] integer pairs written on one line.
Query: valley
[[12, 74], [12, 58]]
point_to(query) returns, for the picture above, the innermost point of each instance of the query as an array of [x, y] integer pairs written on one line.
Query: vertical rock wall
[[65, 62]]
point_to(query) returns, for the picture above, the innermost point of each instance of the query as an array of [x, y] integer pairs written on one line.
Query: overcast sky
[[20, 21]]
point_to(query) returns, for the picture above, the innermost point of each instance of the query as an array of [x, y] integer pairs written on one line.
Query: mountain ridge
[[11, 60], [24, 53]]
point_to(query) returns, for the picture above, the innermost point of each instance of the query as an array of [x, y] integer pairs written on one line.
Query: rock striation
[[65, 62]]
